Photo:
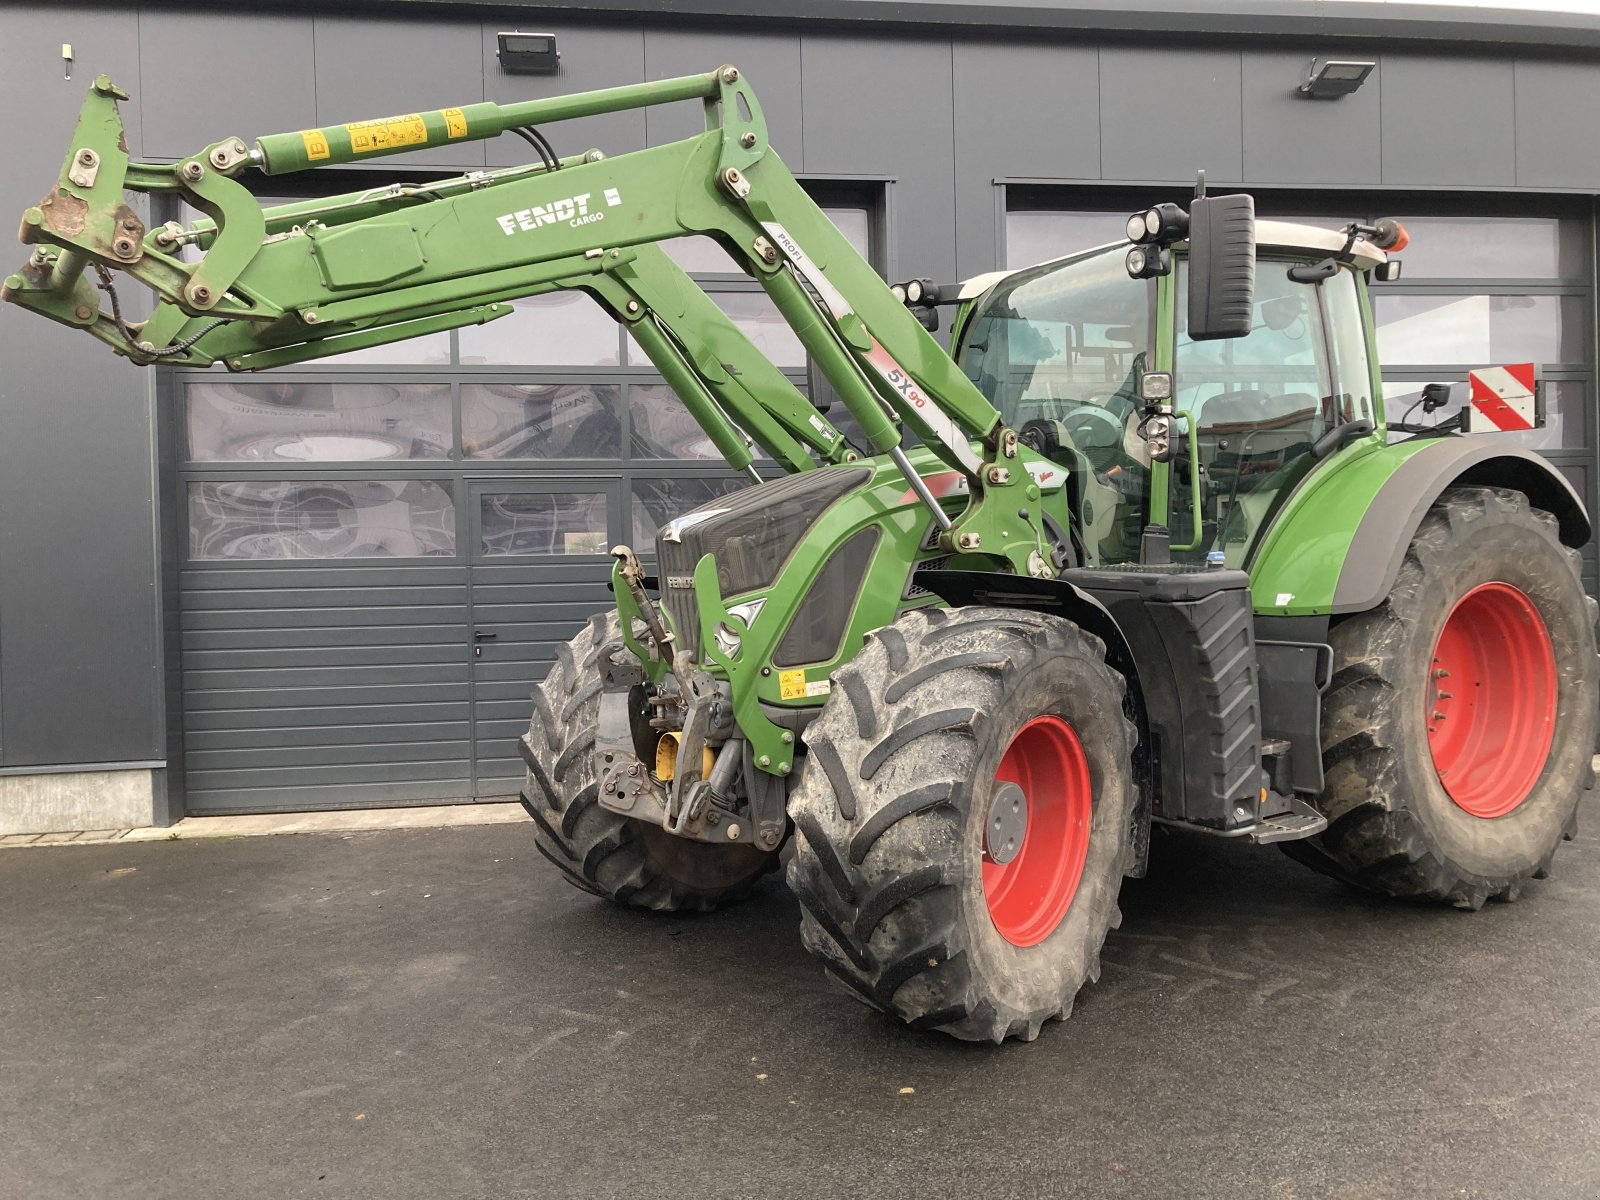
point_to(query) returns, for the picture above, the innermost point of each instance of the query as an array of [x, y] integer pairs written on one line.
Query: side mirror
[[1222, 267]]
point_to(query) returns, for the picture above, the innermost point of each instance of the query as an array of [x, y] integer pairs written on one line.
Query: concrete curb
[[362, 820]]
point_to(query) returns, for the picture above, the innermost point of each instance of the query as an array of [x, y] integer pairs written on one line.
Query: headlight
[[1143, 262], [727, 640]]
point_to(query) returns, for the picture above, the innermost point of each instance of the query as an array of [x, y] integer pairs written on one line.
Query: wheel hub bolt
[[1006, 825]]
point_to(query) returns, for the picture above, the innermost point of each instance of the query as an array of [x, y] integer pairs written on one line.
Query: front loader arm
[[316, 279]]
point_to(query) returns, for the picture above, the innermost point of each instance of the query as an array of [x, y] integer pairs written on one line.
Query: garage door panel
[[312, 796], [211, 578], [203, 741], [373, 772], [344, 754], [313, 599], [333, 719], [502, 587], [197, 658], [327, 618], [317, 639], [495, 727], [293, 680], [330, 699], [500, 776]]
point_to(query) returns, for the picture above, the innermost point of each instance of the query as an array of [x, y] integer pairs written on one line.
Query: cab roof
[[1274, 235]]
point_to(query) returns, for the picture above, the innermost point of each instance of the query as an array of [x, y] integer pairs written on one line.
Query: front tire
[[920, 890], [1460, 724], [629, 862]]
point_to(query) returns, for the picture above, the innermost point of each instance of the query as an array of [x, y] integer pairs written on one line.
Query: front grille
[[751, 534]]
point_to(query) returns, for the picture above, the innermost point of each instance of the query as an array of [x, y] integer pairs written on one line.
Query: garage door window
[[254, 520], [520, 523], [342, 421], [1486, 291]]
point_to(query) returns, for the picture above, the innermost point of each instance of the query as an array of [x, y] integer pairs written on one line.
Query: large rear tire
[[627, 861], [963, 820], [1460, 724]]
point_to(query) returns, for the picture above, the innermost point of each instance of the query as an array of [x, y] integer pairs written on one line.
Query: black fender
[[1379, 546], [1063, 599]]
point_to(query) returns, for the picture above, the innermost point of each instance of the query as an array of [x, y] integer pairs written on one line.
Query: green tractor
[[1139, 549]]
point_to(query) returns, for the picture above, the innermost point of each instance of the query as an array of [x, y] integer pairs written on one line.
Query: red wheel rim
[[1029, 896], [1491, 700]]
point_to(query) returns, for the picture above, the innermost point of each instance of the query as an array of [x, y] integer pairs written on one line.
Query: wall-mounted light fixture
[[1335, 77], [529, 53]]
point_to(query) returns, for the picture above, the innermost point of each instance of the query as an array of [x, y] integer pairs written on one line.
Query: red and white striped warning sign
[[1505, 395]]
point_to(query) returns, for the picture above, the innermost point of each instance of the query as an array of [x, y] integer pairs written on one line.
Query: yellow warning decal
[[455, 123], [316, 143], [792, 685], [387, 133]]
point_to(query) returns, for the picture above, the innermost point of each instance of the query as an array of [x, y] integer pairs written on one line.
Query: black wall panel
[[1558, 124], [187, 103], [1448, 121], [1050, 100], [79, 669], [1289, 138], [1165, 114], [874, 109]]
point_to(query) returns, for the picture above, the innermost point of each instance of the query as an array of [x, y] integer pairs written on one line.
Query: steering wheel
[[1091, 425]]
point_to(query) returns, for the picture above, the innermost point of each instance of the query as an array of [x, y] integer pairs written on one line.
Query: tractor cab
[[1062, 349]]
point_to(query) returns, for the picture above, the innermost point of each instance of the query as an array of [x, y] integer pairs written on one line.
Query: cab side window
[[1256, 405]]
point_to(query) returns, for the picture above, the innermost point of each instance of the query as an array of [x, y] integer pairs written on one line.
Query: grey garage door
[[364, 627]]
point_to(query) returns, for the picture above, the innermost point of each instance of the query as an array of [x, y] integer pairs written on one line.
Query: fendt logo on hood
[[571, 210]]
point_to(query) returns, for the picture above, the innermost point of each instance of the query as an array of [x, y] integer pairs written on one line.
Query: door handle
[[479, 636]]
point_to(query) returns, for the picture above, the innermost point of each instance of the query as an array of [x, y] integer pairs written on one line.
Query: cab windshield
[[1058, 349]]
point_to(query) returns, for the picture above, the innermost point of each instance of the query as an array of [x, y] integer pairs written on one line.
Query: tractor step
[[1300, 821]]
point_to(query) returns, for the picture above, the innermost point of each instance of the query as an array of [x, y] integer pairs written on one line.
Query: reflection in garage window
[[543, 523], [427, 350], [354, 518], [551, 420], [1036, 237], [759, 320], [663, 428], [317, 422], [657, 501], [1479, 329], [557, 329], [1566, 415], [1495, 248]]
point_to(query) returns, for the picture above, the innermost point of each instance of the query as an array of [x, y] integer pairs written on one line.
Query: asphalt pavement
[[434, 1014]]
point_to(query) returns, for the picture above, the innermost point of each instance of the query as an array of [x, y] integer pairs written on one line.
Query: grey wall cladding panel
[[325, 684], [863, 119], [1558, 124], [269, 88], [79, 659], [1020, 111], [1448, 121], [592, 56], [1165, 114], [368, 68], [1291, 139], [771, 64]]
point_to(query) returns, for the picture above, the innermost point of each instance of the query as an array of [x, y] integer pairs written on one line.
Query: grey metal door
[[539, 566]]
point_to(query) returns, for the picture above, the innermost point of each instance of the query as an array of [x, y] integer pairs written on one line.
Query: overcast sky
[[1588, 7]]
